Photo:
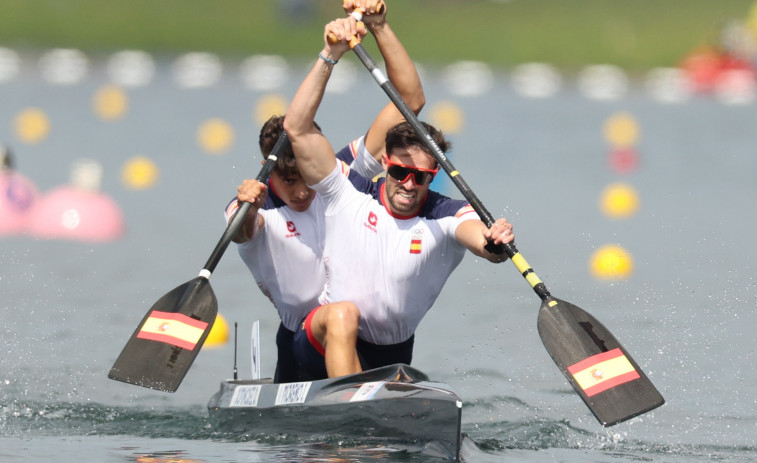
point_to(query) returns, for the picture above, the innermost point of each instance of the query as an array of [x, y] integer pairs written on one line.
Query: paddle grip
[[358, 15]]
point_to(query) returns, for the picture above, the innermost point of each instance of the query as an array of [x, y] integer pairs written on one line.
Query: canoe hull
[[396, 404]]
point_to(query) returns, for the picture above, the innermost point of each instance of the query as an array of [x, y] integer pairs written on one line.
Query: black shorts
[[311, 363], [286, 366]]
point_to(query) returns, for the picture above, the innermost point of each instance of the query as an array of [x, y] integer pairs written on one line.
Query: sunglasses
[[402, 173]]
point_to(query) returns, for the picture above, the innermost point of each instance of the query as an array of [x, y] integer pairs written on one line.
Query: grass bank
[[636, 34]]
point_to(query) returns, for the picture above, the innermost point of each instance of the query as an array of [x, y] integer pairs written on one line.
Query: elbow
[[294, 126], [298, 129], [417, 102], [289, 127]]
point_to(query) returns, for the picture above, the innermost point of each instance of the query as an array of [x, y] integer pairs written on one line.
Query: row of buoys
[[618, 200], [78, 211], [725, 74]]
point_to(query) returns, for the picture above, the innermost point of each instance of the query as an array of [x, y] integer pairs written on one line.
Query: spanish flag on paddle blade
[[172, 328], [604, 371]]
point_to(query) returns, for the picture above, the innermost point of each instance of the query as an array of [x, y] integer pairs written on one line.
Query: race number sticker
[[292, 393], [367, 391], [245, 396]]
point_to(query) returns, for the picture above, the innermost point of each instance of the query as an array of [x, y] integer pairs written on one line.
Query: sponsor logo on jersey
[[292, 229], [371, 222]]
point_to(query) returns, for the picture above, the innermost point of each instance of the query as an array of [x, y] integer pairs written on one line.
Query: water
[[686, 314]]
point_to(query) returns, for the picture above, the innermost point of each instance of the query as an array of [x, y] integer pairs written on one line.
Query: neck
[[396, 214]]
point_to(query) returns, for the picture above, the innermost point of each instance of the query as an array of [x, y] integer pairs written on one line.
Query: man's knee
[[343, 317]]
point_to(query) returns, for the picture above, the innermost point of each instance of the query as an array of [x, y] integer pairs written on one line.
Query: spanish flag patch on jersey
[[415, 246]]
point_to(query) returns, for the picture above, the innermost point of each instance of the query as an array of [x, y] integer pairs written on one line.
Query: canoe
[[392, 405]]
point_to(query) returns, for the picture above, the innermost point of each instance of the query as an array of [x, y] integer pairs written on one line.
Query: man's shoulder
[[364, 184], [343, 182], [438, 206], [347, 154]]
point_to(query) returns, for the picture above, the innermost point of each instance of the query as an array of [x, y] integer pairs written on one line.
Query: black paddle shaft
[[572, 337], [509, 248], [163, 347], [238, 218]]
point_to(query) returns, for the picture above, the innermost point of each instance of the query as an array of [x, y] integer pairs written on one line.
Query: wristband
[[328, 60]]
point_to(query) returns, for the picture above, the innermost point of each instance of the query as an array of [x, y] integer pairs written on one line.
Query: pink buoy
[[623, 160], [17, 197], [79, 211]]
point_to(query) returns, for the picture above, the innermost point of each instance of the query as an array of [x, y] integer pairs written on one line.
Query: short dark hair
[[403, 135], [286, 164]]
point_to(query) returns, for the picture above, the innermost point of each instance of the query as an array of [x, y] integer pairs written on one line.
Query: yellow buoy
[[269, 105], [139, 173], [621, 130], [215, 136], [619, 201], [110, 102], [219, 334], [32, 125], [447, 117], [611, 262]]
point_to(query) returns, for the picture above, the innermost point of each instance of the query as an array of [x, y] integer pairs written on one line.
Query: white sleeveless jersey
[[393, 269], [285, 257]]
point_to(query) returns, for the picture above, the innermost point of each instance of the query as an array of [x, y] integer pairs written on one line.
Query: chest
[[287, 229], [396, 242]]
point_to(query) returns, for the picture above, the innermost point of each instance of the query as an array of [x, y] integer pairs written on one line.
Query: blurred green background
[[633, 34]]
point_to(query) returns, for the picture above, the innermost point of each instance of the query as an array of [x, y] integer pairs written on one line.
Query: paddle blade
[[166, 342], [608, 380]]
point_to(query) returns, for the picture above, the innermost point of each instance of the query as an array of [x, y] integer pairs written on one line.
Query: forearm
[[314, 154], [400, 68], [311, 149], [252, 222], [303, 107], [492, 257], [474, 235], [479, 248]]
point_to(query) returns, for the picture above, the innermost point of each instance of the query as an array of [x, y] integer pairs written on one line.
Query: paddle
[[603, 373], [166, 342]]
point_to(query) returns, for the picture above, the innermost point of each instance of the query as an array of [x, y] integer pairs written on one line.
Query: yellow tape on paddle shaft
[[526, 270]]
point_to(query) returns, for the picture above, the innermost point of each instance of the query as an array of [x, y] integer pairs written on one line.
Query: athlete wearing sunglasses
[[410, 169], [402, 173], [390, 246]]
